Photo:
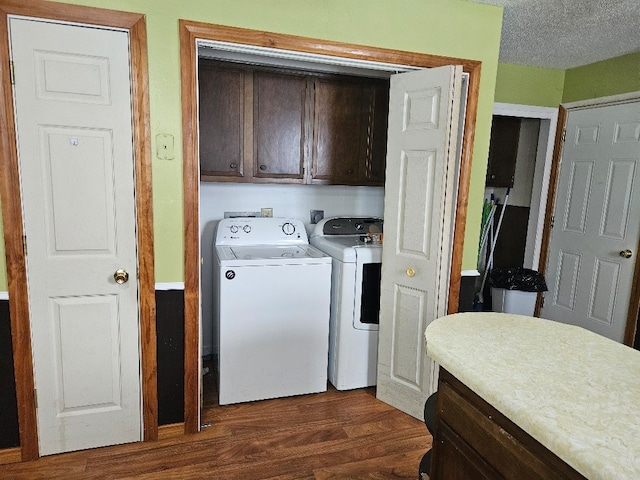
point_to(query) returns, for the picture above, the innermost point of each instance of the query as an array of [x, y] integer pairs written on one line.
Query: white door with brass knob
[[419, 197], [73, 114], [596, 229]]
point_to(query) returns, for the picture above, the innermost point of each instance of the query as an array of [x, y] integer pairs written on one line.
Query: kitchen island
[[523, 397]]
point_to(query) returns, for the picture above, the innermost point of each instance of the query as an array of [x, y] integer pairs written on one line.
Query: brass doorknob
[[626, 253], [410, 272], [121, 276]]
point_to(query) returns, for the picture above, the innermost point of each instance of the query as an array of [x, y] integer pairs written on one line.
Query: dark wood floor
[[332, 435]]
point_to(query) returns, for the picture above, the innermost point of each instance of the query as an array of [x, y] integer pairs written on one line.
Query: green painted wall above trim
[[525, 85], [609, 77], [455, 28]]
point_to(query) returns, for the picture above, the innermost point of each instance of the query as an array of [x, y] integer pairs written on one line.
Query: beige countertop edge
[[541, 375]]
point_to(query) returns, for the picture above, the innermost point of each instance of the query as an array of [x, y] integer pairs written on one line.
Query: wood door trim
[[12, 210], [551, 198], [190, 32]]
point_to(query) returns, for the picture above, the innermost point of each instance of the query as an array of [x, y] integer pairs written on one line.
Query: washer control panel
[[260, 231]]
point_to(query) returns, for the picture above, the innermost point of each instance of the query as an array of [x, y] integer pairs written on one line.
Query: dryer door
[[366, 308]]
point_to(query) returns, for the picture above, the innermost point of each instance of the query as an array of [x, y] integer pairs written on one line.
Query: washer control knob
[[359, 226], [289, 228], [246, 228], [234, 229]]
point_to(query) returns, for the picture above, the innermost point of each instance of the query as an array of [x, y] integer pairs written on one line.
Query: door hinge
[[564, 134], [542, 302], [553, 219], [35, 396], [24, 245], [11, 73]]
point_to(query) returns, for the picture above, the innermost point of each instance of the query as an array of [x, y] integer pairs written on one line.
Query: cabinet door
[[339, 136], [221, 112], [376, 139], [457, 460], [280, 123], [503, 151]]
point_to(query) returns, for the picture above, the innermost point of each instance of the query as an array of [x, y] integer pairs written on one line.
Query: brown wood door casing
[[190, 33]]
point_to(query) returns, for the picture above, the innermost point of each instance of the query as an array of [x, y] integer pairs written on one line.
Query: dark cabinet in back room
[[267, 125], [503, 151]]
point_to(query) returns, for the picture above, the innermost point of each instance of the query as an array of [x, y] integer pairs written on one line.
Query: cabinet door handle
[[263, 167], [233, 165], [350, 171]]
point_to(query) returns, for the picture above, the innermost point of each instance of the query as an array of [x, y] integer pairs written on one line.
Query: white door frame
[[634, 300], [134, 23], [544, 159]]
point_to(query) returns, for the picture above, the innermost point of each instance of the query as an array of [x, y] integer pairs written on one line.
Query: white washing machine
[[355, 244], [272, 296]]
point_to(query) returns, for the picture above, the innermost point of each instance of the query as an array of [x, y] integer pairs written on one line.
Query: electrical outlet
[[316, 215], [266, 212]]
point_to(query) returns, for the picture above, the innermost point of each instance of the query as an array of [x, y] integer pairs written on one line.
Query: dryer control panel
[[260, 231]]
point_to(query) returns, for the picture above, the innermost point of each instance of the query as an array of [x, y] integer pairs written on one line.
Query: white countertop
[[574, 391]]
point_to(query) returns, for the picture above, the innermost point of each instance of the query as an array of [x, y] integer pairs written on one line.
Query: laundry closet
[[289, 138]]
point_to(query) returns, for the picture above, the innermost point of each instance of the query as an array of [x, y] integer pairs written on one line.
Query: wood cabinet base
[[474, 441]]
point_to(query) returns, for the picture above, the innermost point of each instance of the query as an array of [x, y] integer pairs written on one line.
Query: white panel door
[[596, 220], [73, 115], [419, 200]]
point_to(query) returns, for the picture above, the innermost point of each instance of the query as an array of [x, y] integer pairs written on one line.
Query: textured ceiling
[[567, 33]]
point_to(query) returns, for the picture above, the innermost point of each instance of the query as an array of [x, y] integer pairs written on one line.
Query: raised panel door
[[418, 201], [73, 117], [596, 216]]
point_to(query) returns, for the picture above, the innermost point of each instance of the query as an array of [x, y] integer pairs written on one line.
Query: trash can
[[515, 289]]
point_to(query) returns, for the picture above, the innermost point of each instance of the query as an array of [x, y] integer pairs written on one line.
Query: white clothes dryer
[[272, 296], [355, 244]]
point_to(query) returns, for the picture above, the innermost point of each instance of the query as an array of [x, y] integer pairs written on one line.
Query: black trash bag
[[518, 278]]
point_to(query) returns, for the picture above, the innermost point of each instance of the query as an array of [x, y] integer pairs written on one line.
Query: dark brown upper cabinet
[[503, 151], [272, 126], [339, 131], [280, 126], [222, 107]]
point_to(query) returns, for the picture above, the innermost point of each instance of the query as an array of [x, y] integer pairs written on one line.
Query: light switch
[[164, 145]]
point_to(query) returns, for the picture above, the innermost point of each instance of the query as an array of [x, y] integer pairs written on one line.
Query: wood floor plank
[[326, 436]]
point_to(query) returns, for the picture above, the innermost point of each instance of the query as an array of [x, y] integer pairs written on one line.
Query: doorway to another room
[[517, 183], [191, 35]]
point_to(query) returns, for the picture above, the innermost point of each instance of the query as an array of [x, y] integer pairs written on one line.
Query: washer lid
[[271, 255]]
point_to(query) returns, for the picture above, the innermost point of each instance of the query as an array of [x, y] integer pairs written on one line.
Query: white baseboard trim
[[4, 295]]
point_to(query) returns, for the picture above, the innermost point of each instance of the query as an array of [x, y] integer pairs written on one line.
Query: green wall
[[609, 77], [548, 87], [525, 85], [456, 28]]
